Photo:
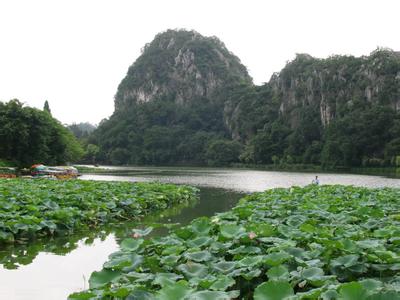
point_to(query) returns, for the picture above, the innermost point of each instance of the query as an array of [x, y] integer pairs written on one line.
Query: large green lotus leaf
[[99, 279], [349, 246], [170, 260], [193, 270], [119, 292], [315, 276], [130, 244], [140, 277], [224, 267], [201, 226], [117, 262], [140, 295], [173, 250], [245, 250], [390, 295], [308, 228], [345, 261], [199, 256], [368, 244], [330, 295], [296, 221], [218, 246], [251, 274], [311, 294], [210, 295], [164, 279], [278, 273], [250, 261], [387, 256], [184, 233], [312, 274], [130, 260], [243, 212], [273, 290], [263, 230], [232, 231], [200, 242], [82, 296], [371, 285], [276, 258], [298, 253], [204, 282], [352, 291], [176, 291], [222, 283]]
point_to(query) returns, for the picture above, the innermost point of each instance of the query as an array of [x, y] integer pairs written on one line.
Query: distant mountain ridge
[[188, 99]]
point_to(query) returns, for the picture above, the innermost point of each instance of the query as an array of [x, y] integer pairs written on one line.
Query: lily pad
[[273, 290]]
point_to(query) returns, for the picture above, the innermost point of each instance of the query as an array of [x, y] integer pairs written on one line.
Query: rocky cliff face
[[325, 89], [182, 65], [339, 83], [187, 97]]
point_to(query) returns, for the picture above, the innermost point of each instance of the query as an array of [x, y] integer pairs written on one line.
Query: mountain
[[180, 65], [170, 106], [188, 99], [339, 111]]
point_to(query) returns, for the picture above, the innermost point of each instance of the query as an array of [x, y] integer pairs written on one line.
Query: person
[[316, 180]]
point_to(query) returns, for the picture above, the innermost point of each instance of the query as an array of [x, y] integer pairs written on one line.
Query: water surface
[[54, 268]]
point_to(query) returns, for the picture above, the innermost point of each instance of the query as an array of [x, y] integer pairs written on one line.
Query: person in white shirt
[[315, 181]]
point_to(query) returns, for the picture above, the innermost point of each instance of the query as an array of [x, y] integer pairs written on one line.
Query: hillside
[[188, 99], [340, 111], [169, 108]]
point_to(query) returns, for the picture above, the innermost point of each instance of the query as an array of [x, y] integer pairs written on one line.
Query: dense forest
[[29, 135], [188, 100]]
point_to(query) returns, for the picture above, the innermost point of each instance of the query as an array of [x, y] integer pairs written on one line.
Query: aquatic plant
[[32, 208], [316, 242]]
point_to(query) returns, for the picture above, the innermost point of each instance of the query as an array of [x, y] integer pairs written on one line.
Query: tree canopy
[[29, 135]]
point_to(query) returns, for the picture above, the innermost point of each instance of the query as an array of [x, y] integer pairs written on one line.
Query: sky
[[74, 53]]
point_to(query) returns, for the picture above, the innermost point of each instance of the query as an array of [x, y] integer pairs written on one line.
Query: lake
[[54, 268]]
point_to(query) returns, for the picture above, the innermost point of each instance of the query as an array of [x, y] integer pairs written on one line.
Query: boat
[[58, 172]]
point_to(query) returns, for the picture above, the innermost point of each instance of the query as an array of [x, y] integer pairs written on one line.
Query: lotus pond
[[316, 242], [36, 208]]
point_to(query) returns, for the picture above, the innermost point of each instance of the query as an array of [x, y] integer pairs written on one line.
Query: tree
[[29, 135], [222, 152], [46, 107]]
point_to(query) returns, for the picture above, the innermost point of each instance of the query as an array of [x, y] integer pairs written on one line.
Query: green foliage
[[223, 152], [316, 242], [29, 135], [187, 96], [30, 208], [46, 107], [81, 130]]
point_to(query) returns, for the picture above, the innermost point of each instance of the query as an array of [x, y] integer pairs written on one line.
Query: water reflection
[[240, 180], [55, 267]]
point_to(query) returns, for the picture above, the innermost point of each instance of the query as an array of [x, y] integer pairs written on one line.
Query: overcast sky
[[74, 53]]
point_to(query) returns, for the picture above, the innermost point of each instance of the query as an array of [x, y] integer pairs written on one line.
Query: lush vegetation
[[29, 135], [334, 112], [162, 132], [81, 130], [33, 208], [328, 242]]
